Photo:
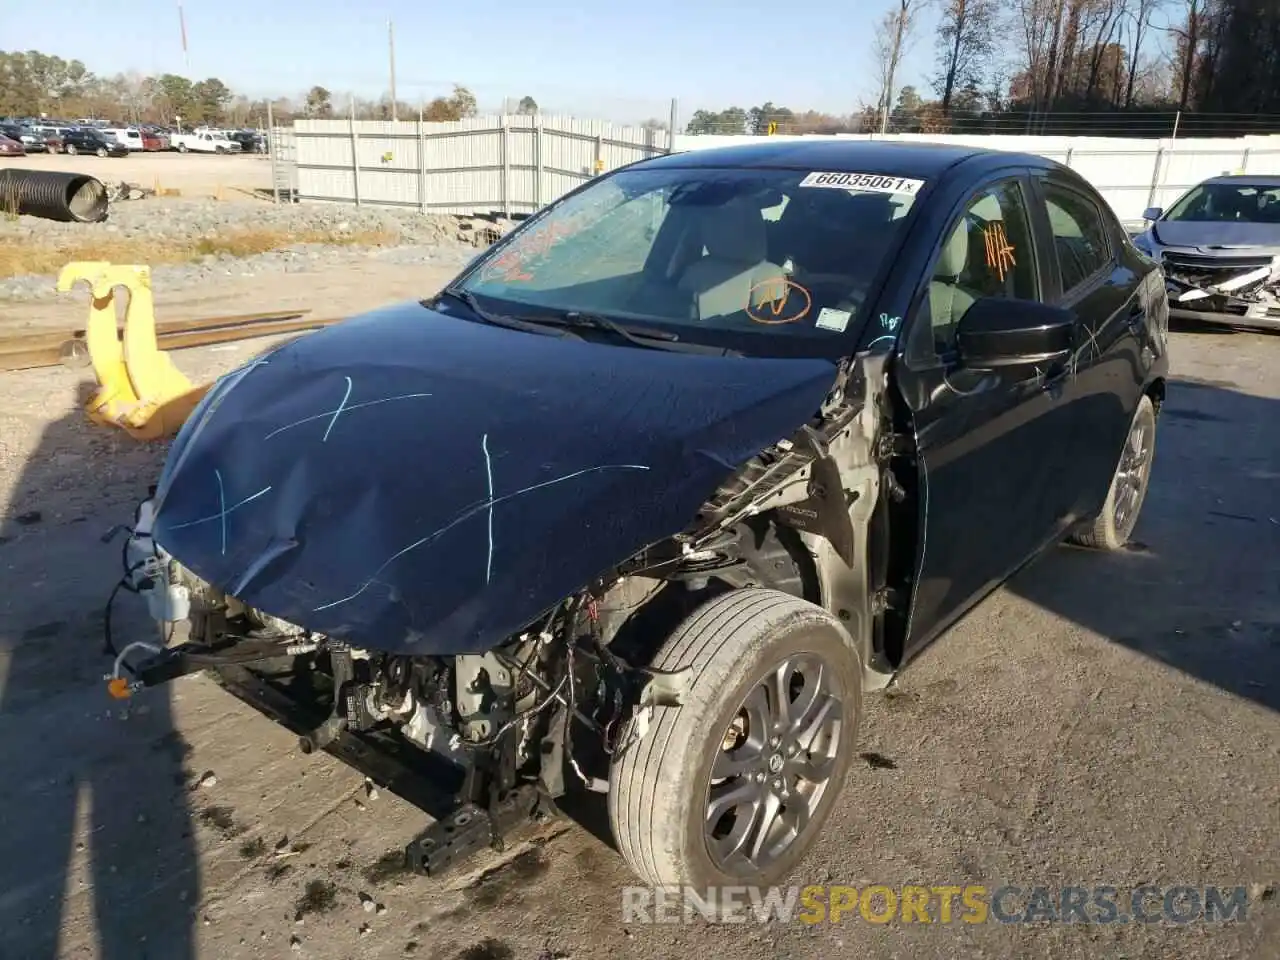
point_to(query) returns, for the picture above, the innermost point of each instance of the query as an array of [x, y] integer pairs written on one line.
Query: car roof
[[1256, 179], [900, 158]]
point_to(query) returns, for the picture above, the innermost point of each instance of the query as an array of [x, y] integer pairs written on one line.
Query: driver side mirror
[[1002, 332], [1152, 213]]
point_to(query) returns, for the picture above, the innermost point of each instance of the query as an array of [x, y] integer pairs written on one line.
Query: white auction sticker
[[870, 182], [830, 318]]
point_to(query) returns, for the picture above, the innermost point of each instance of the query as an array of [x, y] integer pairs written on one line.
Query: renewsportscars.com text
[[936, 904]]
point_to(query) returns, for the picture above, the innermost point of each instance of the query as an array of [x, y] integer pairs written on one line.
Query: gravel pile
[[446, 240]]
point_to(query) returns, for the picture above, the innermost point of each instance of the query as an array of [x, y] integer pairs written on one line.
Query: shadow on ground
[[1211, 521], [96, 844]]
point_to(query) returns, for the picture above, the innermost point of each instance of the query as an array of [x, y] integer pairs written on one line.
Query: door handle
[[1137, 314]]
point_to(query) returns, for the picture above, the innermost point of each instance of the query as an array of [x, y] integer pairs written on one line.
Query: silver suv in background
[[1219, 245]]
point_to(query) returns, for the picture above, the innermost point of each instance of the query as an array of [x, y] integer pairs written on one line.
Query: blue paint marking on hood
[[1188, 233], [420, 484]]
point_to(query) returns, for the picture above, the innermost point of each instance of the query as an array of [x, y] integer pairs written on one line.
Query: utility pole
[[391, 52], [182, 27]]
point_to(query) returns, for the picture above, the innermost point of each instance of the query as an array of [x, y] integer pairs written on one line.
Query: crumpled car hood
[[420, 484], [1175, 233]]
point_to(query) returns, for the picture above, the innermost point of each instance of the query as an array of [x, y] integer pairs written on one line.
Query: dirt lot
[[326, 293], [1100, 720], [195, 175]]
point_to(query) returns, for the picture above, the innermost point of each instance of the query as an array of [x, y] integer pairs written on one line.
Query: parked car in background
[[88, 140], [1219, 245], [131, 137], [31, 141], [10, 147], [153, 141], [251, 141], [54, 136], [204, 141]]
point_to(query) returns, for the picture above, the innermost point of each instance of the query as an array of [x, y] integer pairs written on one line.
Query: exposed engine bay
[[1235, 284], [547, 709]]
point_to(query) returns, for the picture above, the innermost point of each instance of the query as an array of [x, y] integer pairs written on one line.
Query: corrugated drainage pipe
[[53, 195]]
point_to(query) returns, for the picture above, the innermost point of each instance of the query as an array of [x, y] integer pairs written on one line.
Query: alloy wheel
[[1131, 475], [775, 763]]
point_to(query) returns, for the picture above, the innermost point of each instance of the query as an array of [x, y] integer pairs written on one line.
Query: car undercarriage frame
[[806, 516]]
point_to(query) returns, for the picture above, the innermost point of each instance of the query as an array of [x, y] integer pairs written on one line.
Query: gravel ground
[[443, 240], [1098, 720]]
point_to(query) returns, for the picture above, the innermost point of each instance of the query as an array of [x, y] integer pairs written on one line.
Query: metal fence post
[[537, 164], [1067, 161], [355, 151], [506, 166], [671, 130], [273, 145], [1244, 161], [422, 164], [1155, 177], [598, 166]]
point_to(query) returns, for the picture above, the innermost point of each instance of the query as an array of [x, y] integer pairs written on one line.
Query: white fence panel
[[508, 165], [1123, 170], [516, 164]]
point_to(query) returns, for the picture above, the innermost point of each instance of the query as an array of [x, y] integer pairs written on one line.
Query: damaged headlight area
[[1236, 285], [500, 724]]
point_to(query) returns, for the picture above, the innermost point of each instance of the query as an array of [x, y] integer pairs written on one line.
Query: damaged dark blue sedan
[[646, 499]]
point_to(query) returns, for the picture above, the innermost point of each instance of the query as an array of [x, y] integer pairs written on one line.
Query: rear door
[[1089, 274], [990, 446]]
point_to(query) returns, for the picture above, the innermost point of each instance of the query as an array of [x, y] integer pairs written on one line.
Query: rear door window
[[1079, 235]]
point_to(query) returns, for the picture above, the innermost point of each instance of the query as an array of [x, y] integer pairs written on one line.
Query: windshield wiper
[[498, 320], [640, 336]]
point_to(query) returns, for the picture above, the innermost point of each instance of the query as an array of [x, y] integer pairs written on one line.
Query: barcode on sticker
[[873, 182]]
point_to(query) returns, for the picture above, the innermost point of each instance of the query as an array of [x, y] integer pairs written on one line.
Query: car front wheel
[[1113, 526], [101, 151], [735, 785], [71, 149]]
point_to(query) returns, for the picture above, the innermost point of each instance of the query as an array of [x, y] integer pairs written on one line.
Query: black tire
[[72, 149], [660, 787], [182, 148], [101, 151], [1113, 526]]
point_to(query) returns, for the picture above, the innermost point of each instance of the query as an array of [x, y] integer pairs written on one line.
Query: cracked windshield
[[741, 251]]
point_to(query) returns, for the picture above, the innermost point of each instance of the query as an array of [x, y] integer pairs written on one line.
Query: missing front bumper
[[1262, 320]]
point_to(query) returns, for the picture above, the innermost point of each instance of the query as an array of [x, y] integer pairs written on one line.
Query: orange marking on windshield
[[512, 265], [1000, 252], [775, 306]]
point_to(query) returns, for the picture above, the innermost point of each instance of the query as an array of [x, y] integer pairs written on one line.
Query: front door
[[990, 446]]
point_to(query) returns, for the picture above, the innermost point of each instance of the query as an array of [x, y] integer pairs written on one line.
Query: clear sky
[[622, 61]]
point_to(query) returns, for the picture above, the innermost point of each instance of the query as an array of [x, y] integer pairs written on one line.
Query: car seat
[[948, 300], [735, 272]]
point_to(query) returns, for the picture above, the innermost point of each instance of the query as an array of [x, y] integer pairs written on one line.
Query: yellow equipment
[[139, 388]]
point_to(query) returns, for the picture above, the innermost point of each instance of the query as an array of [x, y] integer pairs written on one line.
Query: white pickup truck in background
[[203, 141]]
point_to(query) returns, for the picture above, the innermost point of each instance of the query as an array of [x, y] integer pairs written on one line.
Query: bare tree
[[966, 40], [1106, 19], [1140, 15], [1189, 33], [1037, 23], [892, 38]]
